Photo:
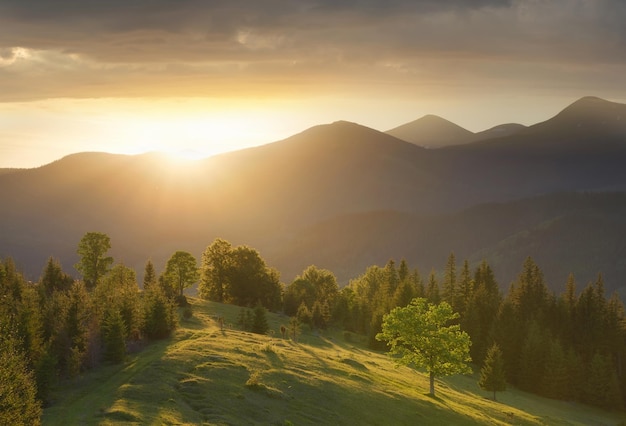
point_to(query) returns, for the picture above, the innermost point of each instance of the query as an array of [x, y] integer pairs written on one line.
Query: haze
[[197, 78]]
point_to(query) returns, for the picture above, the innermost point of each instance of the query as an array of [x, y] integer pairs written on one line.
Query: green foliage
[[93, 263], [215, 268], [294, 328], [420, 335], [602, 385], [304, 315], [259, 321], [118, 290], [149, 276], [181, 271], [313, 286], [54, 279], [492, 376], [114, 336], [18, 390], [238, 275], [159, 314]]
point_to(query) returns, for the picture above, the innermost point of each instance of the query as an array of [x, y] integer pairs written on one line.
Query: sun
[[194, 135]]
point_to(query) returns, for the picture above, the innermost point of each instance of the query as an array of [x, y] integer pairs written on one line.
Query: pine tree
[[259, 322], [149, 276], [492, 374], [450, 291], [602, 387], [432, 291], [114, 336], [18, 390], [556, 377]]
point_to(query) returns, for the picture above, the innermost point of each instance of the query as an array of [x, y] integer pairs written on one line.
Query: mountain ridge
[[270, 196]]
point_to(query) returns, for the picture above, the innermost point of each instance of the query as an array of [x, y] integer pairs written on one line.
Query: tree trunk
[[494, 395], [432, 384]]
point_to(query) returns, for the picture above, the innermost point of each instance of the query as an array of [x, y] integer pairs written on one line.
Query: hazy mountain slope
[[432, 131], [579, 233], [266, 196], [150, 207], [498, 131]]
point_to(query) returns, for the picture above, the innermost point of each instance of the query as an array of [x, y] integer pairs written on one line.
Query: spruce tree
[[492, 374], [114, 336], [149, 276], [259, 322]]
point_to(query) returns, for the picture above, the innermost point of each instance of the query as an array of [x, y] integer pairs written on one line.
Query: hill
[[206, 375], [432, 131], [579, 233], [274, 198], [499, 131]]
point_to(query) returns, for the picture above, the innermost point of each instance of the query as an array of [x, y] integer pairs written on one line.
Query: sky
[[200, 77]]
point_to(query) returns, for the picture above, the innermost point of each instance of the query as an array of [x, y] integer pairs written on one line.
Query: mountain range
[[344, 196]]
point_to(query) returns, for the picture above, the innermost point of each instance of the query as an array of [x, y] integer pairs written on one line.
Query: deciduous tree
[[94, 263], [181, 271], [421, 335]]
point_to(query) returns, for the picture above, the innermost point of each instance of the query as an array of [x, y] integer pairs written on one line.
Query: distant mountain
[[499, 131], [579, 233], [432, 131], [340, 194]]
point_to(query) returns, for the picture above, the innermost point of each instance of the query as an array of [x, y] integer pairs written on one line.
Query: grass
[[204, 375]]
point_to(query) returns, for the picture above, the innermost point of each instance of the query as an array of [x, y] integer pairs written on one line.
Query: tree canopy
[[422, 336], [93, 263], [181, 271]]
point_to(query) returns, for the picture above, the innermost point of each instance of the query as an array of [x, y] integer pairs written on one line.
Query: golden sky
[[206, 76]]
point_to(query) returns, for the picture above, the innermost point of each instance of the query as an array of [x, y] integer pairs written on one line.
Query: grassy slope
[[205, 375]]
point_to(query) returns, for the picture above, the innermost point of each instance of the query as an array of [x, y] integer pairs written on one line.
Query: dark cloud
[[98, 44]]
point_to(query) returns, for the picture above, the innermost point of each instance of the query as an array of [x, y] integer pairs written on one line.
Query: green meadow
[[206, 375]]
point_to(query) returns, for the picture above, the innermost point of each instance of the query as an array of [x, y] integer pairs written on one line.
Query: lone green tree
[[422, 336], [94, 263], [181, 271], [492, 375]]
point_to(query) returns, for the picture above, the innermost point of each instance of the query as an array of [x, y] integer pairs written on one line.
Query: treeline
[[567, 346], [59, 327]]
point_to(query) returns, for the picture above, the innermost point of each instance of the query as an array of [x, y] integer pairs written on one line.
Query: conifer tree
[[259, 322], [114, 336], [18, 389], [403, 271], [556, 376], [149, 276], [492, 374], [602, 386], [450, 290], [432, 291]]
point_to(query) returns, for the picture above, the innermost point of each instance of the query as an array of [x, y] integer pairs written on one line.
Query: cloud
[[91, 47]]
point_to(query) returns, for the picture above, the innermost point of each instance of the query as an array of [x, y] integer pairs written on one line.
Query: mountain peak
[[590, 114], [432, 131]]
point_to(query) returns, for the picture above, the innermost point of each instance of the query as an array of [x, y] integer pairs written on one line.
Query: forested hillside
[[566, 345]]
